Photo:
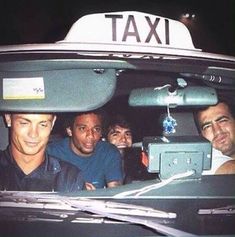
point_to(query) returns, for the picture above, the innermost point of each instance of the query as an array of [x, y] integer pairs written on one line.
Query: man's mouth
[[31, 144], [221, 139], [88, 145], [122, 146]]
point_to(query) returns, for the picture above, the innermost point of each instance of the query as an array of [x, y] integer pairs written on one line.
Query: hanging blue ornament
[[169, 124]]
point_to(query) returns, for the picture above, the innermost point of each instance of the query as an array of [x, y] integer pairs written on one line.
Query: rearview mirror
[[189, 96]]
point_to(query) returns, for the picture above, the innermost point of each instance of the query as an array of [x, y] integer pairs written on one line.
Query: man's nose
[[216, 129], [90, 133], [123, 138], [33, 131]]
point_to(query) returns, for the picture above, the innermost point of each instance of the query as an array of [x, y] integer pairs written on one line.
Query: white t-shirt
[[218, 159]]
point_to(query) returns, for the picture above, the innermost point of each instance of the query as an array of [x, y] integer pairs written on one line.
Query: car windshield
[[148, 87]]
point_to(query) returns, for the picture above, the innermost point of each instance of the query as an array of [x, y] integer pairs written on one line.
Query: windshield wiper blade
[[169, 231], [121, 208], [59, 202], [118, 211], [220, 210]]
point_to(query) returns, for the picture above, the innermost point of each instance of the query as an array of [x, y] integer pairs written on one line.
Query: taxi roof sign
[[130, 28]]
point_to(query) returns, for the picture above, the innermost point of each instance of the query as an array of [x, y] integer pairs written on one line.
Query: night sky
[[43, 21]]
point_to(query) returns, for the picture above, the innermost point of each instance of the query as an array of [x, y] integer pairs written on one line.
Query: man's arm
[[113, 184], [113, 167], [227, 168]]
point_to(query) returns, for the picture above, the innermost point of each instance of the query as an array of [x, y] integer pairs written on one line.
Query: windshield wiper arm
[[220, 210], [119, 211], [59, 202], [169, 231]]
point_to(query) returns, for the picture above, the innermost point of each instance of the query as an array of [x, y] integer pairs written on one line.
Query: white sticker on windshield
[[23, 88]]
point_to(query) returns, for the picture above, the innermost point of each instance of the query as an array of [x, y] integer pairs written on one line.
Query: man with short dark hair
[[119, 133], [25, 166], [217, 124], [99, 161]]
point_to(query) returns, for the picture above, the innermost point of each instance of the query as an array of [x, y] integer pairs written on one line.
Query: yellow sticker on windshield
[[23, 88]]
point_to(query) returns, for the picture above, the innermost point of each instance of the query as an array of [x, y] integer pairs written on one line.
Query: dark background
[[42, 21]]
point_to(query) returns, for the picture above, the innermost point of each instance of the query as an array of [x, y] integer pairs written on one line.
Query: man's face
[[121, 137], [218, 126], [30, 132], [85, 133]]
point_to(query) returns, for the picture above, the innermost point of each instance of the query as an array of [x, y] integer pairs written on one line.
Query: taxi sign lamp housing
[[130, 28]]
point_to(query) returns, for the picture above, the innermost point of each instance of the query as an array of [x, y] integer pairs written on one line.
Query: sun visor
[[56, 90]]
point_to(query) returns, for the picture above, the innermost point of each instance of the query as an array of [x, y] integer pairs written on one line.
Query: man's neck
[[77, 151], [28, 163], [233, 156]]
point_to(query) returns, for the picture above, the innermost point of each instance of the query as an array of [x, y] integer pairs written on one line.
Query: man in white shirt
[[217, 124], [218, 162]]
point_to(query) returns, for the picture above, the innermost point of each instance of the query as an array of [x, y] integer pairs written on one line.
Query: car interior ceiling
[[145, 120]]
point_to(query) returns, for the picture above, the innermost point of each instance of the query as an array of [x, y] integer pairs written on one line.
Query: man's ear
[[69, 131], [8, 119]]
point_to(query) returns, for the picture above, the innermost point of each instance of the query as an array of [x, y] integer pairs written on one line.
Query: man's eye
[[114, 134], [98, 130], [43, 124], [81, 129], [23, 123], [129, 134], [205, 127]]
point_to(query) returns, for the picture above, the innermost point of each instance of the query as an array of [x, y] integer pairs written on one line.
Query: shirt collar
[[50, 164]]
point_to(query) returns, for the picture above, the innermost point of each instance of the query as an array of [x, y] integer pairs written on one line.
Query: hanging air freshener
[[169, 123]]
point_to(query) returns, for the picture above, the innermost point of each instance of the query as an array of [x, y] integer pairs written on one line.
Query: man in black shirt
[[25, 166]]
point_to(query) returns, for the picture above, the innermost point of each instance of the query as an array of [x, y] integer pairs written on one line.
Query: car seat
[[4, 137]]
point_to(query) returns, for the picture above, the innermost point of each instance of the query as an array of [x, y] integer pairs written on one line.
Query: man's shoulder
[[62, 165], [218, 159], [106, 146], [68, 176], [107, 152], [58, 143], [59, 147], [218, 155]]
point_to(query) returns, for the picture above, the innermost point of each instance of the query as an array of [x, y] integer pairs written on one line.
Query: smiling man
[[119, 133], [25, 166], [217, 124], [99, 161]]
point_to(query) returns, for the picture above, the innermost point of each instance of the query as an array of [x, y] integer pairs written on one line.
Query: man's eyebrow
[[23, 118], [80, 124], [204, 124], [45, 121], [97, 125], [218, 119], [222, 117], [28, 120], [114, 131]]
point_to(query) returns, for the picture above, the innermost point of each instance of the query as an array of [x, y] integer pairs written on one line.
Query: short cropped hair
[[230, 106], [116, 120], [69, 119]]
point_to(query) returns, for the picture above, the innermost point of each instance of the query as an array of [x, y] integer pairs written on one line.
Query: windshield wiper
[[119, 211], [220, 210], [58, 202]]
